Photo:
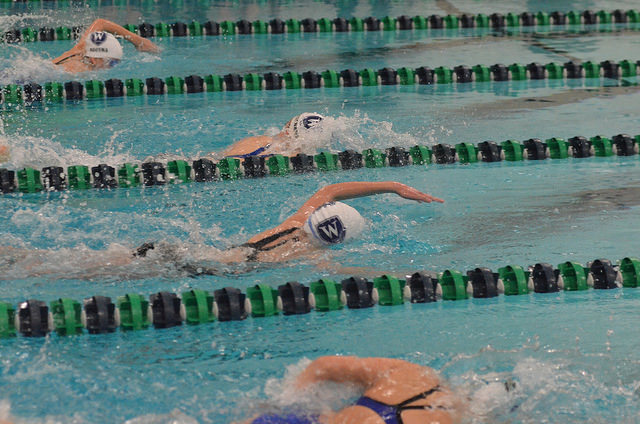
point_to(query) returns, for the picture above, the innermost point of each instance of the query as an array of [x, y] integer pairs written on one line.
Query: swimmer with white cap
[[323, 220], [98, 48], [298, 128]]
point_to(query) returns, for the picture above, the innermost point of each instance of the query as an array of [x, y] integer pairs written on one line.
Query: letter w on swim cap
[[101, 44], [334, 223], [303, 123], [331, 230]]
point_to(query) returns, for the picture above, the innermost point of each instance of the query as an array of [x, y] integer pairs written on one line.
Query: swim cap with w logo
[[334, 223], [102, 44]]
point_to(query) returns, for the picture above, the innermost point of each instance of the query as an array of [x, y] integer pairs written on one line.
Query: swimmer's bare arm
[[350, 369], [140, 43], [246, 146], [351, 190], [343, 191]]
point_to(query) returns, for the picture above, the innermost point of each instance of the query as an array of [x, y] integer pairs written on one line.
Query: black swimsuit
[[392, 414], [64, 59], [261, 245], [257, 247]]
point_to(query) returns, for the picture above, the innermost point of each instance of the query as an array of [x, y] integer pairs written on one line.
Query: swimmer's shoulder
[[72, 63]]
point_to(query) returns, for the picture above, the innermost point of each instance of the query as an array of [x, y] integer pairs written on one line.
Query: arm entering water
[[140, 43], [343, 191]]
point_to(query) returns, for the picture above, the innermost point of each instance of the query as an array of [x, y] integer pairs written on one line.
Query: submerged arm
[[348, 369]]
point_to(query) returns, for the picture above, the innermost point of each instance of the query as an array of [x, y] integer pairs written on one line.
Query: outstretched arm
[[351, 190], [140, 43], [343, 191]]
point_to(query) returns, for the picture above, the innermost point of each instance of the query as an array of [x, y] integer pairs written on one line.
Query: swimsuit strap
[[64, 59], [403, 406], [254, 153], [422, 395], [392, 414], [260, 244], [386, 412]]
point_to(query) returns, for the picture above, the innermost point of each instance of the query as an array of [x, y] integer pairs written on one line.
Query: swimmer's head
[[334, 223], [102, 45], [301, 125]]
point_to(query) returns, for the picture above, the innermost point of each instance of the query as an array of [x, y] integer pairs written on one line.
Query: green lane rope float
[[15, 94], [573, 20], [147, 174], [100, 314]]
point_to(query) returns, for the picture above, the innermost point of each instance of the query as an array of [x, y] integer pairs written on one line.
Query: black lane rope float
[[15, 94], [584, 20], [100, 315], [147, 174]]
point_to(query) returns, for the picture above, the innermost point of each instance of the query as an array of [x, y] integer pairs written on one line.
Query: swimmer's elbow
[[327, 193], [99, 24]]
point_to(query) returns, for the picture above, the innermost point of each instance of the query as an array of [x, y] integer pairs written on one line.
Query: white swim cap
[[302, 124], [334, 223], [102, 45]]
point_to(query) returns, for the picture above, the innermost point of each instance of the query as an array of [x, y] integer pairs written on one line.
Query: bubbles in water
[[39, 152], [22, 66], [357, 132], [175, 417], [5, 407], [283, 395]]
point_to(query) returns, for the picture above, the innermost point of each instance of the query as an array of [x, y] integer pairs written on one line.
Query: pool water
[[571, 355]]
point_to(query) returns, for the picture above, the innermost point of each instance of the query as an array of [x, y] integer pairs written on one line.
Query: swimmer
[[323, 220], [394, 392], [297, 128], [98, 48]]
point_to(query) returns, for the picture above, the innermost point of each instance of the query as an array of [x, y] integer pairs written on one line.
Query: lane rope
[[148, 174], [16, 94], [100, 315], [573, 20]]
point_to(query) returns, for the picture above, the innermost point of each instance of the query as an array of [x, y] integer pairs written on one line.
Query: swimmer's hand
[[4, 154], [411, 193]]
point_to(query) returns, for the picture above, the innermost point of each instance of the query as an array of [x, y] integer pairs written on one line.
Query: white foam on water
[[283, 395], [357, 132], [5, 409], [174, 417], [22, 65], [38, 152]]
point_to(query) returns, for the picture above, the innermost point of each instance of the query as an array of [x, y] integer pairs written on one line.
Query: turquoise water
[[572, 355]]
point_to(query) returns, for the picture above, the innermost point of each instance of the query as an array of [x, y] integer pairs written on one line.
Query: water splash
[[283, 395], [38, 152], [357, 132], [22, 66], [174, 417]]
